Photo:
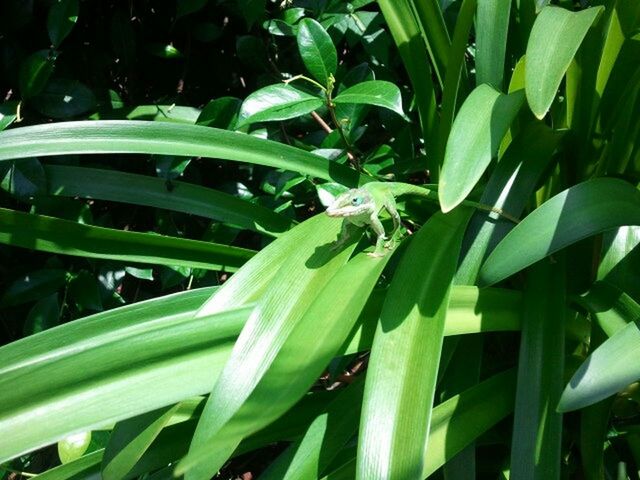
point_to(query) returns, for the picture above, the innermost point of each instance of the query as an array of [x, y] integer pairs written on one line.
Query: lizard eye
[[356, 201]]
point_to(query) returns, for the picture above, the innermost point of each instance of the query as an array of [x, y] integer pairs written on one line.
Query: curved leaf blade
[[118, 359], [317, 50], [49, 234], [151, 191], [374, 92], [484, 118], [581, 211], [283, 331], [121, 136], [406, 351], [555, 38], [276, 102], [610, 368]]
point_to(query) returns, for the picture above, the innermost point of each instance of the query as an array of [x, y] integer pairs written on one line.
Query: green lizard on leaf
[[362, 207]]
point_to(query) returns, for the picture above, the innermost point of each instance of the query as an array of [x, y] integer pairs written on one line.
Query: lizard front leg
[[378, 229], [343, 236]]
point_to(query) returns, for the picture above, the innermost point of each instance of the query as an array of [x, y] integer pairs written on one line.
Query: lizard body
[[362, 207]]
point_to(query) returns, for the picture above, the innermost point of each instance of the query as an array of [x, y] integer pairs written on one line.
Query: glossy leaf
[[182, 140], [610, 368], [404, 357], [49, 234], [475, 138], [34, 73], [74, 446], [63, 15], [373, 92], [581, 211], [183, 197], [317, 50], [555, 38], [277, 102]]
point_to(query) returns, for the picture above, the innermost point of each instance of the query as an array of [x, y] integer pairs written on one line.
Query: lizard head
[[351, 203]]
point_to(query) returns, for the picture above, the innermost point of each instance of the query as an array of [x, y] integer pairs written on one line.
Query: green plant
[[534, 111]]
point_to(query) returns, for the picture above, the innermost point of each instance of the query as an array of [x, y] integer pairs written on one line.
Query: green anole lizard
[[362, 207]]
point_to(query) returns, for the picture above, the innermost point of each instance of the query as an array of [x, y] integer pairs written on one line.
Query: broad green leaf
[[581, 211], [325, 437], [283, 330], [373, 92], [555, 38], [509, 188], [609, 369], [317, 50], [118, 359], [164, 139], [403, 368], [131, 438], [34, 73], [32, 286], [537, 430], [183, 197], [277, 102], [63, 15], [406, 34], [63, 99], [492, 26], [49, 234], [475, 137]]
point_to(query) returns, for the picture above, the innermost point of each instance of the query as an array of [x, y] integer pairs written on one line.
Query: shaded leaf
[[62, 17], [34, 73], [64, 99]]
